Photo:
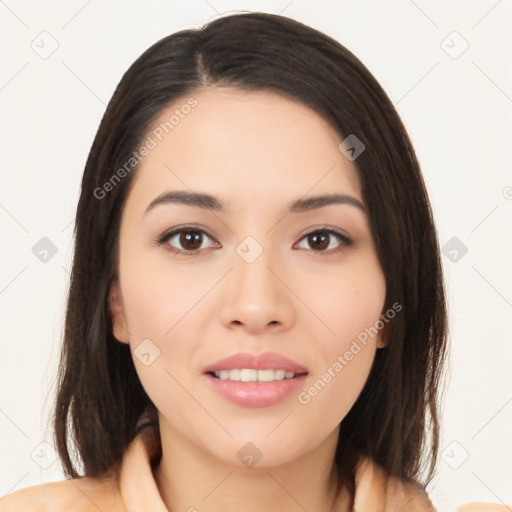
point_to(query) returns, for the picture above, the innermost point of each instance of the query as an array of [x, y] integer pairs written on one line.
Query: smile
[[251, 375]]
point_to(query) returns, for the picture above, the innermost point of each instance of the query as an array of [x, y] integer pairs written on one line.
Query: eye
[[320, 238], [191, 240]]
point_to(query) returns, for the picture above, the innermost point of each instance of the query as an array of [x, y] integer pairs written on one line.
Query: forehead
[[249, 147]]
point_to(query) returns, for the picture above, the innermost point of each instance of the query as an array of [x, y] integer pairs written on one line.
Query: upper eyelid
[[175, 231]]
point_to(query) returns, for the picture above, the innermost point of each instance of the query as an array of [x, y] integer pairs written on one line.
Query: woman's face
[[253, 282]]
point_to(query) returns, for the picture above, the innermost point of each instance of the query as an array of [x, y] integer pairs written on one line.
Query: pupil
[[188, 238], [322, 245]]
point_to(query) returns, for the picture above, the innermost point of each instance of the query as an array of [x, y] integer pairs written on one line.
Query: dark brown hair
[[100, 397]]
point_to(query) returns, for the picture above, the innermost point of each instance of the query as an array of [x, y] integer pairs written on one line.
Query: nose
[[256, 298]]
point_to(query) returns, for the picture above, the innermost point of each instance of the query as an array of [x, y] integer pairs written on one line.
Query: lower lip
[[255, 394]]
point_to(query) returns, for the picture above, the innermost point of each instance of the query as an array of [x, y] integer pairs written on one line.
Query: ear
[[382, 342], [119, 325], [382, 338]]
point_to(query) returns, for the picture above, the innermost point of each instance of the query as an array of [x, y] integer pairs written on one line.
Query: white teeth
[[224, 375], [250, 375]]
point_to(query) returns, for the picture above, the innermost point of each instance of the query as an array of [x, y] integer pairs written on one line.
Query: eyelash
[[347, 242]]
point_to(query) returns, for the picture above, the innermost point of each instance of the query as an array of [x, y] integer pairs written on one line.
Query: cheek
[[158, 294], [332, 391], [348, 301], [162, 304], [161, 340], [350, 306]]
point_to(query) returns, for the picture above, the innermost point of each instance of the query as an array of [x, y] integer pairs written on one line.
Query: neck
[[189, 479]]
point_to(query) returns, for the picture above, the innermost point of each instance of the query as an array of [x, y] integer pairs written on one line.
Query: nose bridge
[[253, 262], [256, 296]]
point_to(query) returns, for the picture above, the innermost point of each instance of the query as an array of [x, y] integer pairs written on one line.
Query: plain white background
[[456, 103]]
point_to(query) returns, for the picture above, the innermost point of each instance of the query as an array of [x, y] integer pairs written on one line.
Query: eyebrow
[[209, 202]]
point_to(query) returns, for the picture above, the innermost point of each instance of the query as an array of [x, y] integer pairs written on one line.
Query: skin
[[255, 151]]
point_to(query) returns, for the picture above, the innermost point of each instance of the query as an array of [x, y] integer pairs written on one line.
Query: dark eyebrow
[[313, 202], [209, 202]]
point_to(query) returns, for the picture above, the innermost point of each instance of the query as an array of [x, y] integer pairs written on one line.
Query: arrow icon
[[45, 45], [44, 250], [243, 249], [147, 352], [44, 455], [352, 147], [454, 45], [249, 455], [454, 249], [455, 455]]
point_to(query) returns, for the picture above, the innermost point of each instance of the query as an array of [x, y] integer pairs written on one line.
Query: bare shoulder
[[413, 497], [484, 507], [377, 490], [410, 496], [81, 494]]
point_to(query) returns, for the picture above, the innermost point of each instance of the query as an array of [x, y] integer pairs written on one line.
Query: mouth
[[251, 380], [254, 375]]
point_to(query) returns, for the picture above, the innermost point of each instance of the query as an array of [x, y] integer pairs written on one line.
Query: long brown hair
[[100, 398]]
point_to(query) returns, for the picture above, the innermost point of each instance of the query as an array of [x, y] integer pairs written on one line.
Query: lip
[[255, 394], [265, 361]]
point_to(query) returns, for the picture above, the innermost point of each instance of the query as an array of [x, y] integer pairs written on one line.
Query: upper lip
[[266, 361]]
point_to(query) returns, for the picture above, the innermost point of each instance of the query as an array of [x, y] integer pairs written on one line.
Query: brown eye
[[184, 240], [190, 240], [320, 240]]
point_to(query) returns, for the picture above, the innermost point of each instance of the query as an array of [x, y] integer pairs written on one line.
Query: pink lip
[[266, 361], [255, 394]]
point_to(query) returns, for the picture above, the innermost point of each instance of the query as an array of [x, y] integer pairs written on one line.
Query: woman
[[256, 317]]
